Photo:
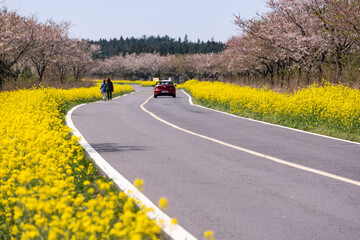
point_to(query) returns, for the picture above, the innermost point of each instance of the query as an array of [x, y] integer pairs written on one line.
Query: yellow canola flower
[[18, 213], [148, 83], [163, 203], [174, 221], [139, 184], [209, 235], [47, 189], [325, 106]]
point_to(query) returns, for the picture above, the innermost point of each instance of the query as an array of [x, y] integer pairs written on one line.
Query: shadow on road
[[113, 147]]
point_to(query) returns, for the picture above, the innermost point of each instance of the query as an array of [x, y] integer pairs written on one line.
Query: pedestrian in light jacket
[[109, 89], [103, 90]]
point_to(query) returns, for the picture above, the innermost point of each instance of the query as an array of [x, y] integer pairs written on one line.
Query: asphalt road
[[210, 186]]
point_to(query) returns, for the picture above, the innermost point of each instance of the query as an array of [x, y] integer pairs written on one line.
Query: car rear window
[[164, 83]]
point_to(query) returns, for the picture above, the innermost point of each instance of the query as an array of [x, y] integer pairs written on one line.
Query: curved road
[[211, 186]]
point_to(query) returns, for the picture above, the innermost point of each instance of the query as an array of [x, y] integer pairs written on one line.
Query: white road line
[[274, 159], [175, 231], [266, 123]]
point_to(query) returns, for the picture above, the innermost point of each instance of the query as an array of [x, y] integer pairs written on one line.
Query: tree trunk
[[2, 76], [308, 73], [339, 70], [272, 79], [320, 77], [299, 77]]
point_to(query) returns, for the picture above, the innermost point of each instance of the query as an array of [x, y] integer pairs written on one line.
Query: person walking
[[103, 90], [109, 89]]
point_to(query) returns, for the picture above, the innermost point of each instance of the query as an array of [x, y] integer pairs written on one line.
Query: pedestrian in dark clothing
[[109, 89], [103, 90]]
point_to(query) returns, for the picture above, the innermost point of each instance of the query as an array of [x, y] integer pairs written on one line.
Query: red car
[[164, 88]]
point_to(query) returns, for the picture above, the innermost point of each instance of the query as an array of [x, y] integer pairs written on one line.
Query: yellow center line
[[274, 159]]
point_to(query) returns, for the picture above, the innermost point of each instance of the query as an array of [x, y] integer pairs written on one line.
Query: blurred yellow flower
[[163, 203], [86, 183], [209, 235], [139, 184], [174, 221]]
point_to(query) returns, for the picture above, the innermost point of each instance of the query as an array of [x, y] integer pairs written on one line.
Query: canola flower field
[[48, 188], [323, 108], [148, 83]]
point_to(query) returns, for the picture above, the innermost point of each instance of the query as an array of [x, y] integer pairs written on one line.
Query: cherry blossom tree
[[342, 15], [82, 58], [45, 46], [17, 37], [49, 45], [291, 32], [306, 34], [341, 22], [295, 37], [61, 63], [245, 56], [169, 66]]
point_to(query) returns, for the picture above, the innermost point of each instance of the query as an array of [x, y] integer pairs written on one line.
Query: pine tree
[[162, 45]]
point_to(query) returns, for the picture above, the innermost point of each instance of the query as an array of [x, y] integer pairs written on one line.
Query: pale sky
[[95, 19]]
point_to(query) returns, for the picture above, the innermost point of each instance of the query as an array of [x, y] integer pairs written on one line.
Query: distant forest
[[162, 45]]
